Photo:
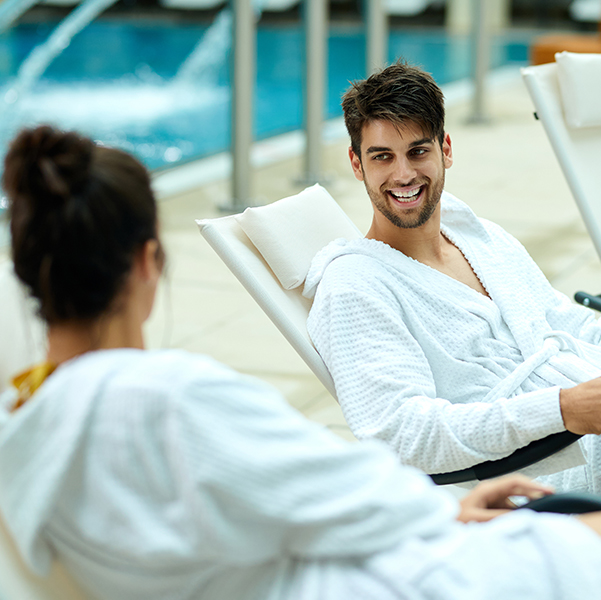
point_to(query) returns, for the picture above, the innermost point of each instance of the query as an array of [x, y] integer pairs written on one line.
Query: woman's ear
[[150, 260]]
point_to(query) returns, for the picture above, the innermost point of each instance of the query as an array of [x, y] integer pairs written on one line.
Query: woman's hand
[[491, 498]]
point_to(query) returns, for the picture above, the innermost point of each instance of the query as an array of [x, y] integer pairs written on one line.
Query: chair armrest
[[520, 459], [588, 300]]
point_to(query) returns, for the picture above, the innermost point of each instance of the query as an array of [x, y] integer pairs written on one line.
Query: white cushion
[[580, 85], [291, 231], [22, 333]]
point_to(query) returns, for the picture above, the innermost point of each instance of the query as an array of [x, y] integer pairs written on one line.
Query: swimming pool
[[115, 82]]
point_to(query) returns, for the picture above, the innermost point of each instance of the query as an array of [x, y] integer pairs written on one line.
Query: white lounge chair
[[22, 343], [566, 98], [18, 583], [270, 248], [22, 334]]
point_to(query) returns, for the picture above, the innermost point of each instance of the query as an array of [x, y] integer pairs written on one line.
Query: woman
[[161, 474]]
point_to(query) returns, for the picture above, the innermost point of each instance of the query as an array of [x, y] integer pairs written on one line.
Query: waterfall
[[209, 54], [202, 64], [11, 10], [37, 62], [137, 101]]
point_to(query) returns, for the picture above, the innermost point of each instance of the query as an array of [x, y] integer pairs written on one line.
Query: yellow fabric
[[28, 382]]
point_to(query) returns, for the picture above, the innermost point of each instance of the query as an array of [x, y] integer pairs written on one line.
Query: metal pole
[[244, 52], [377, 36], [481, 35], [316, 18]]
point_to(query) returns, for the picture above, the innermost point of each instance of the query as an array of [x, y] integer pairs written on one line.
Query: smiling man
[[404, 156], [442, 336]]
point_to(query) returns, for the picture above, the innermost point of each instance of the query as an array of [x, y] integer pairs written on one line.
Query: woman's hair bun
[[78, 215], [45, 163]]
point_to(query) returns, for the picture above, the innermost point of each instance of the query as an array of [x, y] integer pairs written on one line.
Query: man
[[442, 336]]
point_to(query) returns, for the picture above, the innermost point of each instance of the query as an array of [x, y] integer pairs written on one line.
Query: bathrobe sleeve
[[577, 320], [263, 482], [386, 387]]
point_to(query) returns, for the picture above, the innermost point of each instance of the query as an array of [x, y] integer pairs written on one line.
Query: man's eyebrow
[[373, 149], [421, 142]]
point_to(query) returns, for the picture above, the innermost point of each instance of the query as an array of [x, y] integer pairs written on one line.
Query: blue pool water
[[115, 82]]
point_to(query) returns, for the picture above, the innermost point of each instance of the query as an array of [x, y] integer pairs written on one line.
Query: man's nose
[[404, 171]]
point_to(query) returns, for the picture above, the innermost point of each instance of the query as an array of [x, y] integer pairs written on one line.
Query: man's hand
[[491, 498], [581, 407]]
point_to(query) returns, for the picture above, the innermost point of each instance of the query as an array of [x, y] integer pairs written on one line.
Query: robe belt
[[554, 342]]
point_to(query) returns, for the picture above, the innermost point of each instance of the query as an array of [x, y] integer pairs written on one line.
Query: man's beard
[[416, 217]]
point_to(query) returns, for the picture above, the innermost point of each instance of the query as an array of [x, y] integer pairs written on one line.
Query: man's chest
[[456, 266]]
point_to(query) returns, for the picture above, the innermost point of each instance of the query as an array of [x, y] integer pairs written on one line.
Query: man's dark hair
[[400, 94]]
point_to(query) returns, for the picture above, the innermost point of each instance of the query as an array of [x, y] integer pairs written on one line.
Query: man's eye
[[384, 156], [419, 151]]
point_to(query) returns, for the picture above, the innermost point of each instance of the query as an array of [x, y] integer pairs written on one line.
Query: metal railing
[[316, 36]]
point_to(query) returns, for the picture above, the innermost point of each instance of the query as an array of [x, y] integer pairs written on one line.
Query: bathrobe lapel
[[499, 271]]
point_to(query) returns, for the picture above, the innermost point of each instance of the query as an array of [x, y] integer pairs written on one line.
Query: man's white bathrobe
[[164, 475], [447, 377]]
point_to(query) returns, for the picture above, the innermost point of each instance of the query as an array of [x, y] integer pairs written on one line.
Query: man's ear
[[356, 164], [447, 151]]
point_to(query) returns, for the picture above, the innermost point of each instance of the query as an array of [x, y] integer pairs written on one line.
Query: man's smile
[[406, 197]]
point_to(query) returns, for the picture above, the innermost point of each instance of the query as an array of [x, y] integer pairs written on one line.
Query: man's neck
[[424, 243], [427, 245]]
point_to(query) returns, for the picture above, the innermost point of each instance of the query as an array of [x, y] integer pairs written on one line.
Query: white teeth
[[407, 196]]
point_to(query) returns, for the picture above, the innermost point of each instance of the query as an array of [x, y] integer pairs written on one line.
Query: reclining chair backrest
[[18, 583], [270, 248], [22, 343], [22, 333], [566, 97]]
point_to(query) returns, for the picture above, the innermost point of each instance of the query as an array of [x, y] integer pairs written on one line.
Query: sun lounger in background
[[566, 98]]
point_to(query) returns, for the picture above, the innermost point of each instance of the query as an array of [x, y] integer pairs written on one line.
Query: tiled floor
[[505, 170]]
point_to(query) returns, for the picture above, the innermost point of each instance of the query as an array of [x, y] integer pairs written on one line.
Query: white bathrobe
[[163, 475], [447, 377]]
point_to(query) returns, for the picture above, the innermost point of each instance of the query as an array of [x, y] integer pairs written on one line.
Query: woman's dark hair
[[78, 212], [401, 94]]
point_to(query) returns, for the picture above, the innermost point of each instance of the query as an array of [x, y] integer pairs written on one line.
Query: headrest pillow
[[291, 231]]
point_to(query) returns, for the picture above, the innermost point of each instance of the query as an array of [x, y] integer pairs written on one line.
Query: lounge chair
[[22, 334], [566, 98], [270, 248], [276, 282], [18, 583]]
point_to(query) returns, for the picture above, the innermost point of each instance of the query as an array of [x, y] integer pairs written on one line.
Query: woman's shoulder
[[161, 371], [158, 391]]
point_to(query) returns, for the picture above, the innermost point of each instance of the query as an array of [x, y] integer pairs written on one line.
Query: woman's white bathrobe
[[163, 475], [447, 377]]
